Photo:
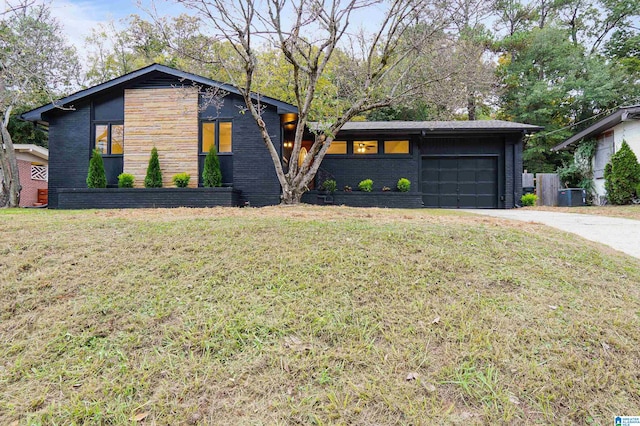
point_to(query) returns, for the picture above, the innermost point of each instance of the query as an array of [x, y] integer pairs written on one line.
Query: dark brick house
[[450, 164]]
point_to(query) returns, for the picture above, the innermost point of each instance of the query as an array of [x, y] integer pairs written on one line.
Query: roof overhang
[[36, 115], [612, 120], [35, 150], [427, 128]]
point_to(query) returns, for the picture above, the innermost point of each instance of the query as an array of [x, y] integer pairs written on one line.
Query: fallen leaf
[[514, 400], [436, 320], [412, 376], [140, 416], [605, 346], [554, 307]]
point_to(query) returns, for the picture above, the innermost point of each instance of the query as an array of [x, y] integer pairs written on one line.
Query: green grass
[[311, 315]]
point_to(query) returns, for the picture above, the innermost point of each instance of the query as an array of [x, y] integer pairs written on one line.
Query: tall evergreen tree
[[211, 174], [96, 177], [154, 174]]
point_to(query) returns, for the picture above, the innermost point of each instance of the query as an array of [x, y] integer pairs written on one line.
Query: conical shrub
[[96, 177], [153, 179], [211, 174]]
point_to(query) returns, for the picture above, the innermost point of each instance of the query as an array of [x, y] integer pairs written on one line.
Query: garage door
[[460, 182]]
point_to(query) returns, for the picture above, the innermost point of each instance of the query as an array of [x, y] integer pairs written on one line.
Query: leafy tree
[[622, 175], [35, 62], [96, 177], [376, 70], [153, 179], [211, 174]]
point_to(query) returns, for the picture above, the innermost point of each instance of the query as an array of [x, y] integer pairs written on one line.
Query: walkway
[[621, 234]]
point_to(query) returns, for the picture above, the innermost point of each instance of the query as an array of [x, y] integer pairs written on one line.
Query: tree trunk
[[10, 184], [471, 106], [291, 195]]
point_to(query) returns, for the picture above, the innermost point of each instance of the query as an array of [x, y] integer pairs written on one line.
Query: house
[[33, 170], [450, 164], [609, 132]]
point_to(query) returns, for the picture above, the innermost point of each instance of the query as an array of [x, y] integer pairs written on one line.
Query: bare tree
[[376, 67], [34, 61]]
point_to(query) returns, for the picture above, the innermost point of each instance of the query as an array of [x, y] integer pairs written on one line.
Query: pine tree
[[154, 174], [622, 175], [96, 177], [211, 174]]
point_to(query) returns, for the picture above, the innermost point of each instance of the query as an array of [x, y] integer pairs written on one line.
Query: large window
[[396, 147], [337, 147], [109, 138], [365, 147], [218, 134]]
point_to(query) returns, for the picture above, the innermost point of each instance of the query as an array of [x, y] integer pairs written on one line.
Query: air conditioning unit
[[572, 197]]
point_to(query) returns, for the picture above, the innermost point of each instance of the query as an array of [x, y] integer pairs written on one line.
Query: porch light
[[288, 144]]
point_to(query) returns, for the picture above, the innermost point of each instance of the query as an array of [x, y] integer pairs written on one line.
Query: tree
[[622, 176], [34, 61], [153, 179], [373, 70], [96, 177], [211, 175]]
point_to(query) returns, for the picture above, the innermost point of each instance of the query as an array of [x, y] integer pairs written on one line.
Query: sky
[[79, 17]]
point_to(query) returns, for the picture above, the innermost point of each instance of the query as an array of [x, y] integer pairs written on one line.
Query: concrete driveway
[[621, 234]]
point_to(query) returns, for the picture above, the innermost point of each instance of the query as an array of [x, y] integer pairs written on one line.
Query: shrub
[[404, 185], [125, 180], [96, 177], [329, 185], [622, 175], [211, 174], [153, 179], [181, 180], [638, 190], [366, 185], [528, 200]]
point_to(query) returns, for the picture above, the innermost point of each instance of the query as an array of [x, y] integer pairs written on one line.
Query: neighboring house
[[33, 169], [609, 132], [450, 164]]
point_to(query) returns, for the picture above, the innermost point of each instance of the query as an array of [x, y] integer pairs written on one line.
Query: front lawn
[[311, 315]]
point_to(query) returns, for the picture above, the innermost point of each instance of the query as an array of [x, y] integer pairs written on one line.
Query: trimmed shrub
[[329, 185], [96, 177], [622, 175], [638, 190], [125, 180], [211, 174], [181, 180], [366, 185], [528, 200], [153, 179], [404, 185]]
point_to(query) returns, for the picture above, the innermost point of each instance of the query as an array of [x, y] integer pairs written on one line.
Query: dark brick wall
[[121, 198], [402, 200], [383, 170], [253, 170], [69, 150]]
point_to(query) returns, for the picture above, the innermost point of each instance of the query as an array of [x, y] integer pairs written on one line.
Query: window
[[396, 147], [337, 147], [109, 138], [221, 131], [365, 147]]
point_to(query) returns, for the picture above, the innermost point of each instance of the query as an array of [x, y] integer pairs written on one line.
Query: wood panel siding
[[166, 118]]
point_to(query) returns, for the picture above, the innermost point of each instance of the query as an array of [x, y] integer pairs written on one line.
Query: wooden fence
[[547, 186]]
